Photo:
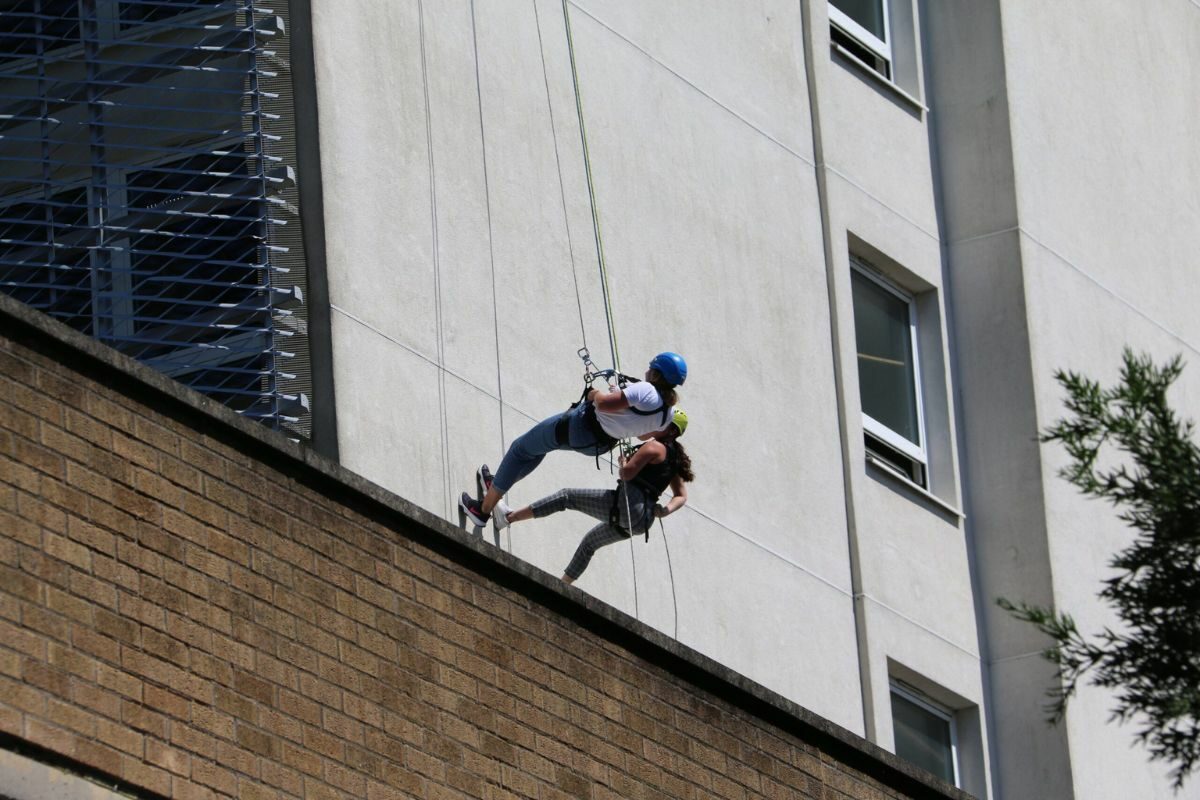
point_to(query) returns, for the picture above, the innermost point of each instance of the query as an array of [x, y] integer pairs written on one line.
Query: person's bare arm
[[678, 499], [610, 401]]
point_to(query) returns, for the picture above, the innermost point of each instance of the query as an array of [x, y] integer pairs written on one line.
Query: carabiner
[[591, 372]]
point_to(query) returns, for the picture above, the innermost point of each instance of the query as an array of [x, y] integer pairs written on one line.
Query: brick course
[[201, 609]]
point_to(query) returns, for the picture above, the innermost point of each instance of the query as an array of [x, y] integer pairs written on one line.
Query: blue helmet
[[671, 366]]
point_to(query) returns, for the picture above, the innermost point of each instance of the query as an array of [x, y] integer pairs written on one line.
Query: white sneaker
[[500, 514]]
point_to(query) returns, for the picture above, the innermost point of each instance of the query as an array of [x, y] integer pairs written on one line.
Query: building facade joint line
[[1115, 295], [773, 139], [918, 226], [867, 596]]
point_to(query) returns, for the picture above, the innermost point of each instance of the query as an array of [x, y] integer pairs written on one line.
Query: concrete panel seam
[[683, 78], [866, 596], [881, 202], [409, 348], [769, 551], [437, 267], [487, 197], [821, 174], [978, 237], [1018, 657], [1123, 301]]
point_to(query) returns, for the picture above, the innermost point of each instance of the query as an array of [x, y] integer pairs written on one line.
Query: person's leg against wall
[[603, 534]]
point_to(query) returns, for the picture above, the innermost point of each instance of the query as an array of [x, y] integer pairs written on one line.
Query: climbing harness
[[591, 373], [651, 486], [605, 442]]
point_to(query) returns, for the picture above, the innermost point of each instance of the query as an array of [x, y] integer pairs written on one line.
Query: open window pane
[[867, 13], [886, 363], [923, 737]]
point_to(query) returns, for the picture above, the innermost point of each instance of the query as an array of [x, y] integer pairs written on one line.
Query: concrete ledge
[[29, 772], [88, 357]]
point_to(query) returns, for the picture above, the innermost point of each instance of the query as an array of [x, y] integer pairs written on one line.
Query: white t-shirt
[[624, 424]]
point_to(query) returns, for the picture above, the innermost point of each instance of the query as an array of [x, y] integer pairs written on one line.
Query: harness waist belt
[[593, 423], [562, 429]]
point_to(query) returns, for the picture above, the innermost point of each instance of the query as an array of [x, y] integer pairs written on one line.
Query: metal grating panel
[[145, 188]]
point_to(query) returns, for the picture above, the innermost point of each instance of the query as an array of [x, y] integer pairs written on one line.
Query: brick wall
[[196, 608]]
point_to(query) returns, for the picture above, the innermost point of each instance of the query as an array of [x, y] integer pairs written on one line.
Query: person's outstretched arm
[[678, 498]]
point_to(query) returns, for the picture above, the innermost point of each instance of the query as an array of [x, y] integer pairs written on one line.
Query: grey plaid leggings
[[597, 503]]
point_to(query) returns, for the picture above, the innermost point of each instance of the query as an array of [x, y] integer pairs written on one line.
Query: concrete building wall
[[462, 297], [994, 382], [1028, 177], [918, 620], [1069, 204], [1107, 169], [705, 188]]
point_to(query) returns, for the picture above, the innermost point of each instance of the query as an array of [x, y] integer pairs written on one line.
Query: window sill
[[871, 74], [903, 479]]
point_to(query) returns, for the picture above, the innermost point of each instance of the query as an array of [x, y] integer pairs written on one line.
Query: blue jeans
[[527, 451]]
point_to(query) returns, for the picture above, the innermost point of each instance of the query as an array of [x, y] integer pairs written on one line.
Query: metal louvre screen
[[147, 195]]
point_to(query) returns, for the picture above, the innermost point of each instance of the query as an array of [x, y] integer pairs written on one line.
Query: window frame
[[881, 48], [872, 426], [944, 713]]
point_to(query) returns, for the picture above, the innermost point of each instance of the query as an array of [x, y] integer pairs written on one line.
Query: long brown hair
[[683, 463], [665, 390]]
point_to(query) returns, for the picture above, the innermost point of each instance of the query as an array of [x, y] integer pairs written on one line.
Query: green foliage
[[1152, 662]]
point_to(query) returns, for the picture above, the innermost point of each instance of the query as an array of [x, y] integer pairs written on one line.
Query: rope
[[447, 480], [587, 167], [487, 193], [602, 263], [671, 572], [608, 312]]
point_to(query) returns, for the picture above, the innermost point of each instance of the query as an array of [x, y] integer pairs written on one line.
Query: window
[[861, 27], [879, 39], [885, 330], [925, 733]]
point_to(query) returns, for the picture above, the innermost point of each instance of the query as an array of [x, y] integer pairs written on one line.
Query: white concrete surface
[[1043, 213], [22, 778]]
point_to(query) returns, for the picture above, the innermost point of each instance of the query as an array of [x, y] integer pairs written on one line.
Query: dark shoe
[[483, 480], [473, 510]]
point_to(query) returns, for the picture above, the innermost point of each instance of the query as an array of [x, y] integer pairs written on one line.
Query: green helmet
[[679, 420]]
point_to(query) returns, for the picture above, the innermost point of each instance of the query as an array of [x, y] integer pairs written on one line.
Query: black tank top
[[654, 479]]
